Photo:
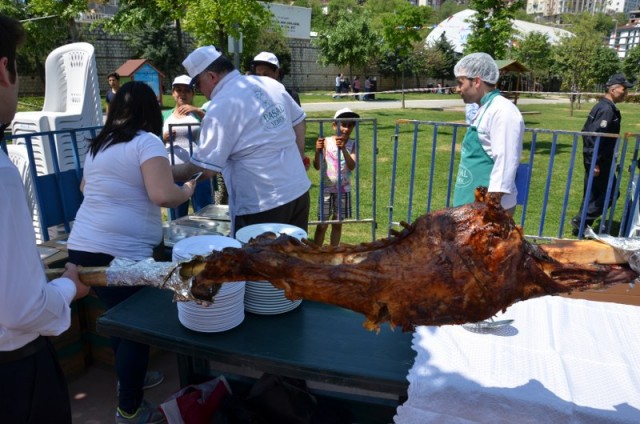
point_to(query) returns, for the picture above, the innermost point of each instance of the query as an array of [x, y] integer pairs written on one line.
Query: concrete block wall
[[112, 50]]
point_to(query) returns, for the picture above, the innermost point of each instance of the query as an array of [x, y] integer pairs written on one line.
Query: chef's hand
[[71, 272]]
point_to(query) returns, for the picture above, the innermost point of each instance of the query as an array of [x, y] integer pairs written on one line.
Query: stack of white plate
[[260, 296], [227, 309]]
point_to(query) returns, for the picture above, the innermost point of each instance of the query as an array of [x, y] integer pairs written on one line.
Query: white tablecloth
[[561, 361]]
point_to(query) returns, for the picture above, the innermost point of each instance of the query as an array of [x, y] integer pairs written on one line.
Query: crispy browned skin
[[452, 266]]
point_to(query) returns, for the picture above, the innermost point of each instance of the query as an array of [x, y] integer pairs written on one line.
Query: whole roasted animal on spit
[[452, 266]]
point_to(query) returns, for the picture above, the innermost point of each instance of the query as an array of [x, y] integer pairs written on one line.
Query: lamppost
[[402, 55]]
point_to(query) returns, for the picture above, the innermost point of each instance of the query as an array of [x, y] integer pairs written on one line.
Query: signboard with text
[[294, 21]]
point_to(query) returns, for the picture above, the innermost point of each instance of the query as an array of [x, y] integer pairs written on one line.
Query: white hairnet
[[478, 65]]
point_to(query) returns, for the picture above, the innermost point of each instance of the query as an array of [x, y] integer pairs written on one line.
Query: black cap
[[619, 79]]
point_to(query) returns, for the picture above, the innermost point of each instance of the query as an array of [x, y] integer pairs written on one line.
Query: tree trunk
[[179, 35], [73, 30]]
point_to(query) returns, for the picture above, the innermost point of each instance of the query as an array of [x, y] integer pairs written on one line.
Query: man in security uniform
[[603, 118], [492, 146]]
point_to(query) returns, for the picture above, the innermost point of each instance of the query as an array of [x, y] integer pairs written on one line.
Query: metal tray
[[216, 212]]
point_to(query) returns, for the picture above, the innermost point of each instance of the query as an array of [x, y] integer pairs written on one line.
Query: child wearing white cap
[[180, 138], [266, 64], [335, 158]]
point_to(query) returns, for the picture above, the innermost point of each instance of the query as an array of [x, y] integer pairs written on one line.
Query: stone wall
[[306, 73]]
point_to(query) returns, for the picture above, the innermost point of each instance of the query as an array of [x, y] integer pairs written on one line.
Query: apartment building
[[551, 9], [624, 38]]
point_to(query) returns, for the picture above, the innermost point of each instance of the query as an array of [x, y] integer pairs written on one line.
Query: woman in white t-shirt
[[127, 179]]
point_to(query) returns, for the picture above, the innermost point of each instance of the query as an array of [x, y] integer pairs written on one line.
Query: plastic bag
[[282, 400], [196, 404]]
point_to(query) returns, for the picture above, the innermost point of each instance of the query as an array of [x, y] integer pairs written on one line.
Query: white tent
[[457, 29]]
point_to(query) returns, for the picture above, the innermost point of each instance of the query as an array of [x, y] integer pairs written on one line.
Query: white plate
[[185, 249], [271, 310], [251, 231]]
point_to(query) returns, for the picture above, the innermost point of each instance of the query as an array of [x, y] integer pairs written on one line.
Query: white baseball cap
[[267, 57], [199, 59], [345, 113], [182, 80]]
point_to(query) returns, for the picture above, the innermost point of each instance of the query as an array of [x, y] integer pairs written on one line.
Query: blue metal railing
[[428, 151], [422, 149]]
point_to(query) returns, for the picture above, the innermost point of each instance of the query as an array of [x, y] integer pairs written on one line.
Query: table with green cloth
[[316, 342]]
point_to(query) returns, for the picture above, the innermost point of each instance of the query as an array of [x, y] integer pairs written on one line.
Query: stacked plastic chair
[[72, 100], [50, 140]]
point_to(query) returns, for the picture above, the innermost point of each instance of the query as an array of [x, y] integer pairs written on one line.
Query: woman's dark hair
[[134, 108]]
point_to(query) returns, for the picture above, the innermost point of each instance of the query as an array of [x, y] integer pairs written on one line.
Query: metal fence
[[414, 173], [426, 157]]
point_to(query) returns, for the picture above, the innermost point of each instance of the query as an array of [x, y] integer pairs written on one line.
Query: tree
[[631, 64], [65, 10], [576, 57], [209, 22], [443, 68], [380, 10], [351, 42], [491, 28], [158, 44], [135, 14], [41, 37], [534, 51], [317, 16], [336, 9], [446, 9], [606, 64], [401, 30]]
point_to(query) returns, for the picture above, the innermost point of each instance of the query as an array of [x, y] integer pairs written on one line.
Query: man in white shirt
[[33, 389], [251, 133], [492, 146]]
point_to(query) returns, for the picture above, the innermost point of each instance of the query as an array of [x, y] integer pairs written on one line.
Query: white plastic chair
[[72, 100], [18, 155]]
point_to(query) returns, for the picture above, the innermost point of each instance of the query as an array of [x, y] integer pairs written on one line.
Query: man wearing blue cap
[[251, 133], [604, 118]]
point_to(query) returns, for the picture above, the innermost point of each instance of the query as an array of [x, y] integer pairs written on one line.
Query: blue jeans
[[131, 358]]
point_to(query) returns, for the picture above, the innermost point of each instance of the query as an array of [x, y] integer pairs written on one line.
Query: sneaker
[[147, 413], [151, 379], [575, 223]]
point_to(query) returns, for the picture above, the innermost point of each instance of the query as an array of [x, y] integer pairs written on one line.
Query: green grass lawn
[[377, 204], [551, 117]]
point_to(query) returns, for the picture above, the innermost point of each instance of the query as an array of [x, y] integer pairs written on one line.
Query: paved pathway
[[450, 101]]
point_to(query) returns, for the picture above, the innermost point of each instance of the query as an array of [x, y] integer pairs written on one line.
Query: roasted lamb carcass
[[451, 266]]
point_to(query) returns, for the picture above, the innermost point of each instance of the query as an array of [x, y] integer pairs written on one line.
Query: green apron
[[475, 164]]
